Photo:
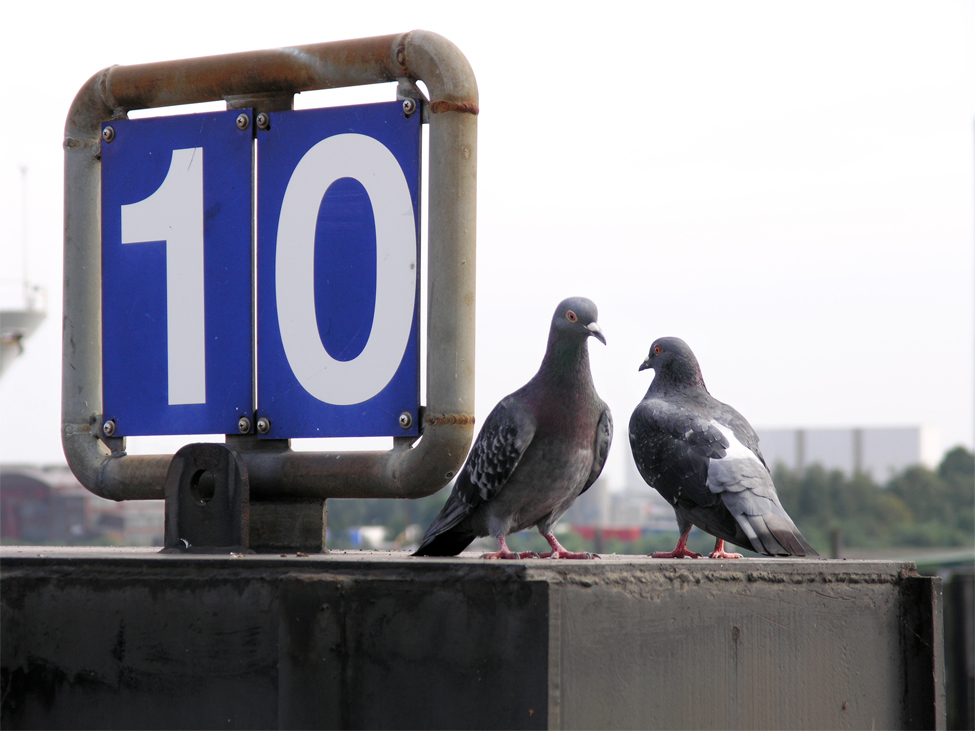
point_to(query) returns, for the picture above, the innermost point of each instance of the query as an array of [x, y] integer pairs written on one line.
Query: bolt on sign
[[336, 199]]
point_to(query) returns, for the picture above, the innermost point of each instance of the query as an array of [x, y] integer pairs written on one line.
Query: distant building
[[636, 505], [49, 506], [879, 452]]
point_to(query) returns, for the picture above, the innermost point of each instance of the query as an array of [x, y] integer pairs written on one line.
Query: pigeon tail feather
[[449, 528], [449, 543], [777, 536], [789, 536]]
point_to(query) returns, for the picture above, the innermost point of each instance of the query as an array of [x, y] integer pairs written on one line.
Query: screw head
[[263, 121], [244, 425], [243, 121], [108, 428], [409, 106], [406, 420], [108, 134], [263, 425]]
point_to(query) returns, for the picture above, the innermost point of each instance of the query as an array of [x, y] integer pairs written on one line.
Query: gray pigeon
[[539, 449], [703, 457]]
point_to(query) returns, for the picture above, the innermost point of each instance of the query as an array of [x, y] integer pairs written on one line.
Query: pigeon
[[539, 449], [703, 457]]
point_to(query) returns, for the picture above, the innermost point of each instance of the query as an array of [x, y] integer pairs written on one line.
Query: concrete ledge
[[113, 638]]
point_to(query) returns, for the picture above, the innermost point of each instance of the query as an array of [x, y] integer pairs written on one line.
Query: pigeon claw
[[506, 553], [676, 553], [723, 554], [569, 554], [559, 551], [503, 554], [719, 551], [680, 550]]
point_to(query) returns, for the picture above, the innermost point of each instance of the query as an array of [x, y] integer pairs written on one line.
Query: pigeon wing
[[744, 483], [600, 448], [672, 447], [499, 447], [729, 417], [506, 434]]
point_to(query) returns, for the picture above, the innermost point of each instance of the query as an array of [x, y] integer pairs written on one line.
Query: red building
[[49, 506]]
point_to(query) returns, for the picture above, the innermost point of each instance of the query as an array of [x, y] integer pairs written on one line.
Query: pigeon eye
[[657, 350], [571, 316]]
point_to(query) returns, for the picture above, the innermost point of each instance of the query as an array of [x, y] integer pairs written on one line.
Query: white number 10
[[174, 214]]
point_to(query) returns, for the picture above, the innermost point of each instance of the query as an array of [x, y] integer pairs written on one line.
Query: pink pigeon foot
[[509, 555], [500, 554], [558, 551], [680, 550], [719, 551], [504, 552]]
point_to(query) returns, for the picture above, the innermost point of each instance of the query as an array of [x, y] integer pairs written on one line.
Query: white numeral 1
[[174, 214]]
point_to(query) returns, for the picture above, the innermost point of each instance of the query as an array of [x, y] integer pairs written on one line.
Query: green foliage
[[918, 507], [395, 515]]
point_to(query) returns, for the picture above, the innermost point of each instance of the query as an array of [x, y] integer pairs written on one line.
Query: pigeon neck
[[566, 357], [678, 376]]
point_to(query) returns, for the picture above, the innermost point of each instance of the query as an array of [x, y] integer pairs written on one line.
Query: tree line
[[916, 507]]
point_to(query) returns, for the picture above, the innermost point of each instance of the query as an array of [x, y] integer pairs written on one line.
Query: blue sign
[[338, 272], [176, 274], [338, 261]]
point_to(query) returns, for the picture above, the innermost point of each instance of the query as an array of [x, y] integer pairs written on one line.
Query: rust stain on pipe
[[283, 70], [438, 419], [439, 107]]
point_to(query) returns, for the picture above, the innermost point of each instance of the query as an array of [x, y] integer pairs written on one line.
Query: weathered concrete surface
[[114, 638]]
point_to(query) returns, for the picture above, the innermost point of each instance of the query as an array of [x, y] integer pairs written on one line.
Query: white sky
[[790, 187]]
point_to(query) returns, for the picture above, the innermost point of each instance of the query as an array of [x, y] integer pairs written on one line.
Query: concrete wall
[[134, 639]]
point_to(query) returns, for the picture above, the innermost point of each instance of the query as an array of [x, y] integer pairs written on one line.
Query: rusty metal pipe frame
[[414, 470]]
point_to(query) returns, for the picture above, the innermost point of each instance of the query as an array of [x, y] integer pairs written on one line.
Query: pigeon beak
[[645, 364], [596, 332]]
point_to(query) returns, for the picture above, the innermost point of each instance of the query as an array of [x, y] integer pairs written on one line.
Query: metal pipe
[[412, 471]]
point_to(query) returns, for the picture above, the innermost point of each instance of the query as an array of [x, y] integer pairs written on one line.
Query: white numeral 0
[[373, 165], [174, 214]]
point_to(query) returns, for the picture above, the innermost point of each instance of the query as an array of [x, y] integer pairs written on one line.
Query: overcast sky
[[788, 186]]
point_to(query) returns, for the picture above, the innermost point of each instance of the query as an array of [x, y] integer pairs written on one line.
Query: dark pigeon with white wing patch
[[539, 449], [703, 457]]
